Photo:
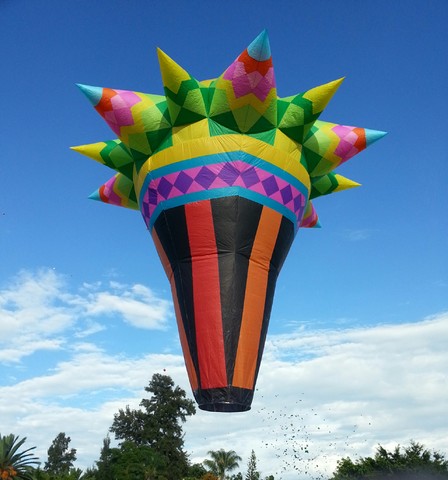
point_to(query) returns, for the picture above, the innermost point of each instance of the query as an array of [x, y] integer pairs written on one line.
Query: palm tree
[[15, 465], [222, 462]]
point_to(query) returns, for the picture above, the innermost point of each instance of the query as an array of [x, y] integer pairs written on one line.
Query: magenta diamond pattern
[[222, 175]]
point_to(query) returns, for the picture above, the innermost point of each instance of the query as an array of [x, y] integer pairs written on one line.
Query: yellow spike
[[345, 183], [321, 95], [91, 150], [172, 73]]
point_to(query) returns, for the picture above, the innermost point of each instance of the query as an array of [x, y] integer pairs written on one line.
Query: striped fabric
[[223, 272]]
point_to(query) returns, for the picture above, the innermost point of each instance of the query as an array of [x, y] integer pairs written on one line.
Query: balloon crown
[[241, 101]]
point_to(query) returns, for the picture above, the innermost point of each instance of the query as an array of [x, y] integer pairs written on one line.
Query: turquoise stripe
[[219, 193], [222, 157]]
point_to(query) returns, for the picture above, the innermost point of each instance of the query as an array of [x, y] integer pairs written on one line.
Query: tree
[[14, 464], [209, 476], [90, 474], [131, 461], [222, 461], [236, 476], [158, 424], [127, 462], [104, 464], [195, 472], [252, 472], [408, 463], [60, 457]]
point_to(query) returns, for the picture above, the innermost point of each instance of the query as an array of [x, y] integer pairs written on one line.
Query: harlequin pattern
[[214, 179]]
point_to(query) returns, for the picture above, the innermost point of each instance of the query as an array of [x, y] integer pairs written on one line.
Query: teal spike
[[373, 135], [94, 94], [95, 195], [260, 49]]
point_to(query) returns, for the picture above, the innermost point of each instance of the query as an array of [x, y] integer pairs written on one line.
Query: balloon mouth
[[224, 399], [224, 407]]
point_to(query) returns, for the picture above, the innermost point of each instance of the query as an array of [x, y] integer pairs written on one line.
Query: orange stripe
[[180, 324], [162, 255], [206, 294], [255, 298]]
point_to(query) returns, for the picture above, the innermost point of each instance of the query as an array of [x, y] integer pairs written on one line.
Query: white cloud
[[90, 328], [32, 314], [137, 305], [357, 235], [321, 395], [39, 311]]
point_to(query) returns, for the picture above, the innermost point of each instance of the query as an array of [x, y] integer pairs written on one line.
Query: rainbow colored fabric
[[223, 168]]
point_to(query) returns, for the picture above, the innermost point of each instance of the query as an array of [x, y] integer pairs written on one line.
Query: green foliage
[[104, 464], [72, 474], [221, 462], [209, 476], [89, 474], [131, 461], [252, 472], [236, 476], [15, 464], [61, 458], [158, 424], [408, 463], [195, 472]]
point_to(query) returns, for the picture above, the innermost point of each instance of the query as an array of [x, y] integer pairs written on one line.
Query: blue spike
[[260, 49], [95, 195], [373, 135], [94, 94]]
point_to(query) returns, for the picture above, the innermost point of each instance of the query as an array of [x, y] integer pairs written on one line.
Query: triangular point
[[373, 135], [95, 195], [94, 94], [260, 49]]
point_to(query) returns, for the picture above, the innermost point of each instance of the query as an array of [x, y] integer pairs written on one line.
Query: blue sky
[[85, 308]]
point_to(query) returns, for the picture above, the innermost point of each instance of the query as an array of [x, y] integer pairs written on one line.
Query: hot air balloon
[[223, 172]]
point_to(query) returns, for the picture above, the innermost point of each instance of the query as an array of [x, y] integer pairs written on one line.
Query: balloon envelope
[[223, 172]]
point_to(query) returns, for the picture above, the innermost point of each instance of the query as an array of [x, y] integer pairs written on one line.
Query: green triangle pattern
[[116, 155], [188, 104], [295, 116], [323, 185]]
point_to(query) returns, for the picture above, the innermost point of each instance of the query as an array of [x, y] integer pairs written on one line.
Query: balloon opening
[[225, 399], [224, 407]]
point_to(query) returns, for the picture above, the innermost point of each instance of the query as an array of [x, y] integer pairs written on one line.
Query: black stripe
[[171, 228], [283, 243], [236, 221]]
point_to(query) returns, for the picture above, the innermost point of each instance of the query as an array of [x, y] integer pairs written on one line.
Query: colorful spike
[[328, 145], [140, 120], [245, 95], [332, 182], [119, 191], [310, 218], [223, 172], [183, 92], [297, 114], [113, 153]]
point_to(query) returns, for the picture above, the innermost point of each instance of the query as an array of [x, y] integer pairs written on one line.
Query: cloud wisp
[[357, 235]]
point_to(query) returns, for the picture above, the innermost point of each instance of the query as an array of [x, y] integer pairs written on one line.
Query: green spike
[[113, 153], [330, 183], [183, 92], [296, 114]]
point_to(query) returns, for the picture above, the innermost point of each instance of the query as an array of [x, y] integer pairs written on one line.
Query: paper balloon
[[223, 172]]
